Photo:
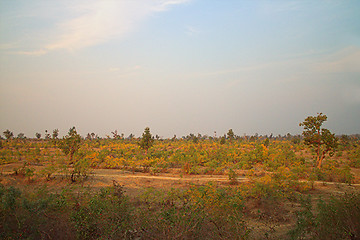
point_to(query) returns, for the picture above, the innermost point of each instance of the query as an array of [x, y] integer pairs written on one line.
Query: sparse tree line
[[280, 169], [193, 152]]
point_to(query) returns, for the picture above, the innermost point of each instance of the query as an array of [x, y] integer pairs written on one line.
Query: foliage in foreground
[[338, 218], [108, 214], [195, 212]]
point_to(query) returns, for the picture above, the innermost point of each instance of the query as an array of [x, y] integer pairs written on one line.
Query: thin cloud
[[163, 5], [117, 69], [346, 60], [7, 46], [87, 23], [190, 30], [101, 21], [31, 53]]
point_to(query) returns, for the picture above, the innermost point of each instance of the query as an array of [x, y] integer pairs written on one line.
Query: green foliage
[[337, 218], [333, 172], [47, 135], [48, 171], [147, 140], [354, 156], [25, 171], [21, 136], [199, 212], [106, 215], [70, 143], [81, 169], [41, 215], [38, 135], [55, 134], [8, 134], [320, 139], [25, 216], [230, 134]]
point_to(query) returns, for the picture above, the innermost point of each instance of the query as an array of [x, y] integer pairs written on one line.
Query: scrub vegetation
[[195, 187]]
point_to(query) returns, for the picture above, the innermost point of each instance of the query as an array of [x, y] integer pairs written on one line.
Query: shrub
[[106, 215], [199, 212], [30, 216], [338, 218], [332, 172], [355, 158]]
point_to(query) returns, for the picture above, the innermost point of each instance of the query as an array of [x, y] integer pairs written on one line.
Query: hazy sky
[[178, 66]]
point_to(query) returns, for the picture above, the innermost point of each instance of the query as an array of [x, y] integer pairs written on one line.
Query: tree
[[116, 135], [223, 140], [55, 134], [47, 135], [131, 136], [38, 135], [320, 139], [88, 136], [230, 134], [147, 140], [70, 144], [21, 136], [8, 134]]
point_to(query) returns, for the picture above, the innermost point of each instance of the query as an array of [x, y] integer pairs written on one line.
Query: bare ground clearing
[[135, 182]]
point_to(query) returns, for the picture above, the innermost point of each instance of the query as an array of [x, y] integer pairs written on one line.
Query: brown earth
[[273, 223]]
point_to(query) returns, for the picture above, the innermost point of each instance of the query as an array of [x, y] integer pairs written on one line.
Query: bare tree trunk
[[319, 163], [320, 159]]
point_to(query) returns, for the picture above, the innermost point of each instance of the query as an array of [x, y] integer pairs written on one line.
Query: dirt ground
[[135, 183]]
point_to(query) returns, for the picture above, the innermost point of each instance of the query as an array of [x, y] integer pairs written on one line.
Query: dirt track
[[134, 182]]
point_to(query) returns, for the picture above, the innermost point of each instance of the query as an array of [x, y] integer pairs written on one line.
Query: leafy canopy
[[147, 140], [8, 134], [70, 144], [320, 139]]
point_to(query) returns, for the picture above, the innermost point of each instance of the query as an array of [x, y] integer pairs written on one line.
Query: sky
[[178, 66]]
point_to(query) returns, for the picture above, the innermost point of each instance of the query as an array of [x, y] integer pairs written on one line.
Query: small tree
[[230, 134], [47, 135], [38, 135], [21, 136], [116, 135], [147, 140], [8, 134], [320, 139], [222, 140], [131, 136], [55, 134], [70, 144]]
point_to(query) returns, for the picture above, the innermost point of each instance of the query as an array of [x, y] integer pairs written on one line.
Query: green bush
[[337, 218], [332, 172], [30, 216], [106, 215], [355, 158], [200, 212]]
